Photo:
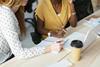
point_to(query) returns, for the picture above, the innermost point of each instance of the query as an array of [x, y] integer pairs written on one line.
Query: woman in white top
[[11, 23]]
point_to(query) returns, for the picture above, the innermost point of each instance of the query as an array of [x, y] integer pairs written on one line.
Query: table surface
[[90, 56]]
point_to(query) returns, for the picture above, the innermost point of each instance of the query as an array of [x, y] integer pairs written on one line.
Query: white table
[[40, 61]]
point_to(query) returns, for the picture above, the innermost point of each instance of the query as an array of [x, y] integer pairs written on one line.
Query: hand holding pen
[[59, 33]]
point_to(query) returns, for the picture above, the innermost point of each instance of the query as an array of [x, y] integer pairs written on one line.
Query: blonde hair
[[19, 14]]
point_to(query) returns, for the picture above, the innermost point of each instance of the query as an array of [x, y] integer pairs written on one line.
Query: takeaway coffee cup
[[76, 50]]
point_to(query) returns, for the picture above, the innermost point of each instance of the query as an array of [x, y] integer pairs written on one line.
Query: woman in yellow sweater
[[53, 15]]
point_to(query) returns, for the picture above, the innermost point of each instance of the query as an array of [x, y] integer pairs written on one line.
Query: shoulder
[[5, 11], [7, 15]]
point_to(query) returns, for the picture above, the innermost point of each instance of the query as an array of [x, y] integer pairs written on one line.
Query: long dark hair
[[20, 16]]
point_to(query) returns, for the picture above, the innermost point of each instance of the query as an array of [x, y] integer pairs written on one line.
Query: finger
[[60, 40], [64, 31]]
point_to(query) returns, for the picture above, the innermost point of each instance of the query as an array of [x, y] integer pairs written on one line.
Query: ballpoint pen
[[66, 41]]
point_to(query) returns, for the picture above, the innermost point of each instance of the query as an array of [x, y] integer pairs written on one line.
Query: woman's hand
[[60, 33], [58, 46]]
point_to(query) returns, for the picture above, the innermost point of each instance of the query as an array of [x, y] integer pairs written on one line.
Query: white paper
[[52, 39], [49, 41], [63, 63], [54, 52], [94, 22], [73, 36]]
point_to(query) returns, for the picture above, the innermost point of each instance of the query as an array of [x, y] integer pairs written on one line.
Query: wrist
[[47, 49], [49, 34], [73, 13]]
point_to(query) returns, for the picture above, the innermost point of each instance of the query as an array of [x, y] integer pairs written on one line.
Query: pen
[[64, 56], [66, 41]]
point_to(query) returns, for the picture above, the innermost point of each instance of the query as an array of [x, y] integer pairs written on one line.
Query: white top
[[9, 39]]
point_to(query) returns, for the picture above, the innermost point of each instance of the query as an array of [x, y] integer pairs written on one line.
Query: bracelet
[[74, 13], [49, 34]]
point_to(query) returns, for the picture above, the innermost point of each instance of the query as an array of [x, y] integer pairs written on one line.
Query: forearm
[[43, 31], [73, 21], [73, 18], [40, 27]]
